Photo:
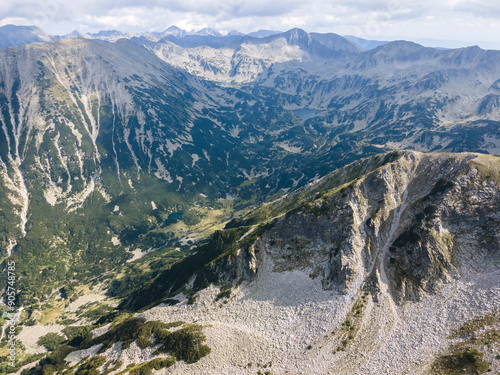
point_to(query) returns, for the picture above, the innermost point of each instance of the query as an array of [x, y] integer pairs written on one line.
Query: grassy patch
[[466, 356], [52, 312], [476, 324], [352, 323], [21, 360], [466, 361], [148, 367], [51, 341], [95, 311], [91, 366]]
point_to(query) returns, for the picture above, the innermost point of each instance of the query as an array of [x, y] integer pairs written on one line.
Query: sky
[[471, 21]]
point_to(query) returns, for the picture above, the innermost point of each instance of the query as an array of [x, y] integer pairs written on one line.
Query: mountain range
[[296, 196]]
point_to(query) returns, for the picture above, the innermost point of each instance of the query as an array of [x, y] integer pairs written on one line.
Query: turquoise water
[[175, 215]]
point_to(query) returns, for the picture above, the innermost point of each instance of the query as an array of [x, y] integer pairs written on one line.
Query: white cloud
[[456, 19], [14, 21]]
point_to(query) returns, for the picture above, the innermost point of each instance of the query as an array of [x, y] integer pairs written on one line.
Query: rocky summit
[[270, 203]]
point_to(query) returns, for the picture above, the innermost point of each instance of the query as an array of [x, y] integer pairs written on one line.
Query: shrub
[[51, 341], [77, 335], [468, 361], [155, 364]]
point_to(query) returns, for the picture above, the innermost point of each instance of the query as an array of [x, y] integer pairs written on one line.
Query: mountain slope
[[131, 180], [101, 143], [397, 95], [240, 59], [11, 35], [366, 266], [400, 95]]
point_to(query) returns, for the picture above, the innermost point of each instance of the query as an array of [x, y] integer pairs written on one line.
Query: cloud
[[481, 9], [366, 18]]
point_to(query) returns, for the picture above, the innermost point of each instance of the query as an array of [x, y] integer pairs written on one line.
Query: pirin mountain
[[276, 202]]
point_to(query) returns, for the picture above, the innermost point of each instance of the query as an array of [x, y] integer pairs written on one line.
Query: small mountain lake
[[175, 215]]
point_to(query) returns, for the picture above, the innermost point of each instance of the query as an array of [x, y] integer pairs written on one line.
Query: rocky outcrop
[[411, 225]]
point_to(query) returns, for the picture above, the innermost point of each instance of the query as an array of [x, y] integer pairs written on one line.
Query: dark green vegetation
[[468, 361], [186, 344], [352, 324], [469, 328], [183, 344], [51, 341], [6, 368], [95, 311], [222, 246], [475, 338], [225, 292], [148, 367]]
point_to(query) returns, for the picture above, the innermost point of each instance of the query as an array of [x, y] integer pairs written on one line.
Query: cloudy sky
[[464, 20]]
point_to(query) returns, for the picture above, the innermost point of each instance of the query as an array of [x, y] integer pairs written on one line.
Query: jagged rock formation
[[413, 224], [404, 224]]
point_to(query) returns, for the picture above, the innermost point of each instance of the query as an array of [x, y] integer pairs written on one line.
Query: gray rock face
[[366, 271], [406, 227]]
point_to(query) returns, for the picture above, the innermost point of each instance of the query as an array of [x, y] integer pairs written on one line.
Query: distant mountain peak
[[75, 34], [174, 31], [174, 28], [207, 31], [234, 32], [263, 33], [12, 35]]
